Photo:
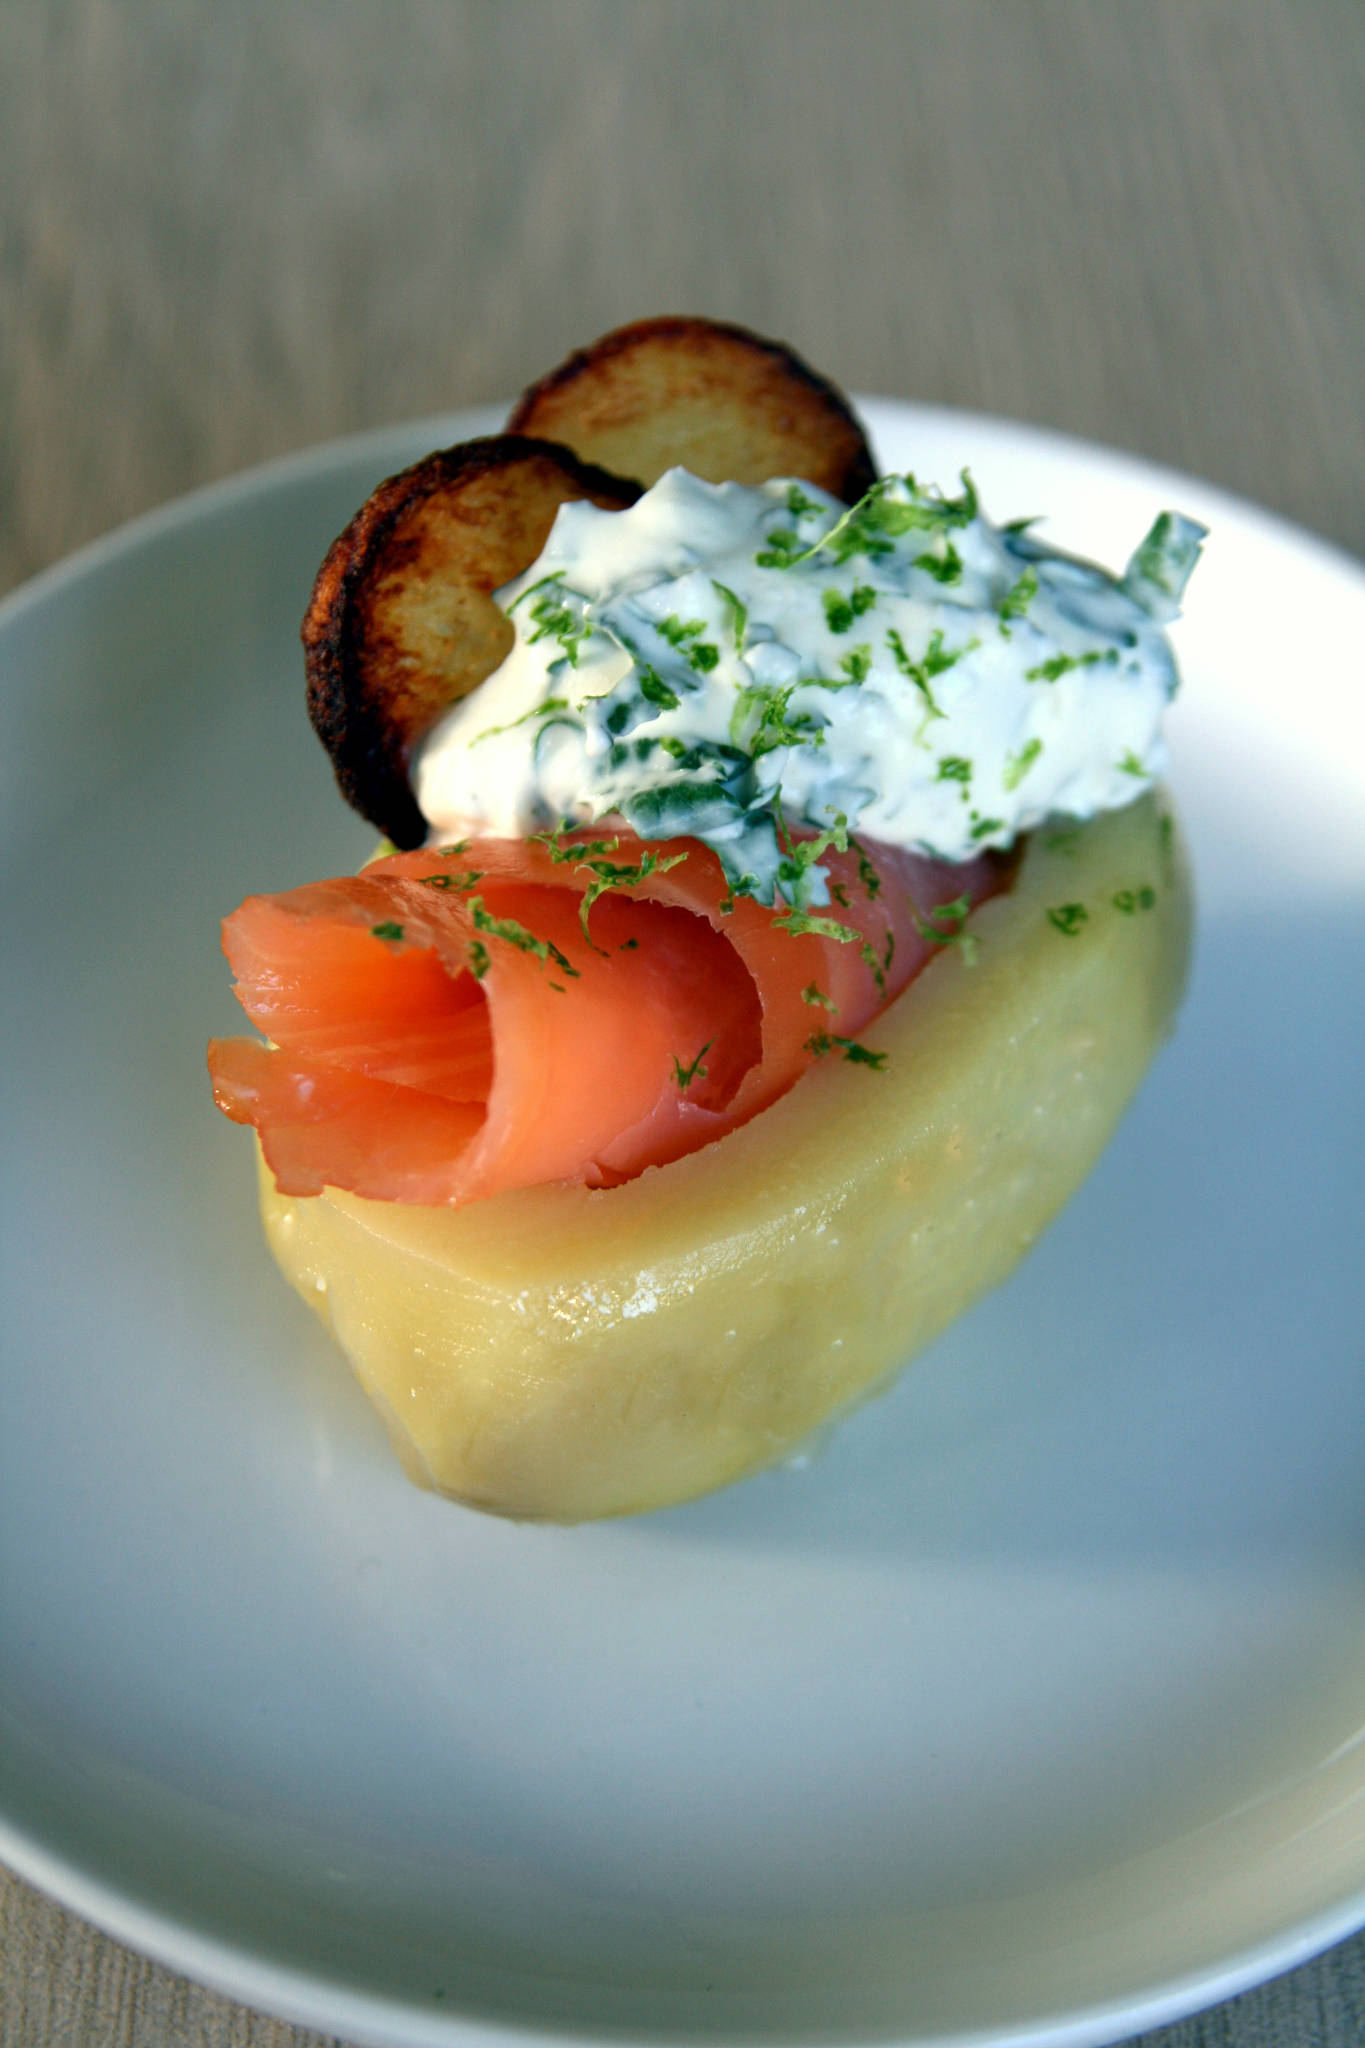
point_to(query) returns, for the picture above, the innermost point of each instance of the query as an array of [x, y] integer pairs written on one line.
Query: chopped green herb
[[1163, 563], [982, 828], [677, 633], [387, 930], [655, 690], [1131, 765], [737, 614], [798, 504], [1017, 765], [479, 958], [813, 994], [784, 550], [857, 664], [685, 1076], [1068, 918], [556, 620], [954, 768], [536, 711], [944, 568], [841, 611]]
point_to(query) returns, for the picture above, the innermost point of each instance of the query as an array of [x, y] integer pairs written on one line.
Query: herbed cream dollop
[[742, 665]]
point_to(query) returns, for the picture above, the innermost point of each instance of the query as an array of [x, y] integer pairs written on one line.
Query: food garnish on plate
[[779, 910]]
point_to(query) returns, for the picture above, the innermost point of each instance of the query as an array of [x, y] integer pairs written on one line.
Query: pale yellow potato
[[567, 1353]]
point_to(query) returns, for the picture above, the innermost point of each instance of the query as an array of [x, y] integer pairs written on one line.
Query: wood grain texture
[[231, 231]]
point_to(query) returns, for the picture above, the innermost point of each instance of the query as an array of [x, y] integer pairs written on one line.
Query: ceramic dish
[[1030, 1710]]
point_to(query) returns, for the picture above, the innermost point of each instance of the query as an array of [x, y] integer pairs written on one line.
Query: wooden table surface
[[228, 231]]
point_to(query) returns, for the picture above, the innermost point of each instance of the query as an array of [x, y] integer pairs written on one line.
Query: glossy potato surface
[[566, 1353]]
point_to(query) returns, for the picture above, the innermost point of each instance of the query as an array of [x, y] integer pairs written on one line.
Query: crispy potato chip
[[724, 403], [402, 622]]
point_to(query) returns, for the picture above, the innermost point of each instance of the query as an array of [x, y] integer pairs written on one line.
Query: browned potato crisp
[[402, 622], [724, 403]]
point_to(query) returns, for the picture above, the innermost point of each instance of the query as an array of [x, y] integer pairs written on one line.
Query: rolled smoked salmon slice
[[455, 1022]]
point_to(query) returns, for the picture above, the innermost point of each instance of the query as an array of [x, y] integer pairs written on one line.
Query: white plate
[[1030, 1712]]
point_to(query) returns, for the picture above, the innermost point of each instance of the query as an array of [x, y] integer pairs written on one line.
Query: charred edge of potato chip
[[681, 390], [402, 623]]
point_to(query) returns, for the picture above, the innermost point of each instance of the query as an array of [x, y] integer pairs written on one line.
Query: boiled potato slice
[[568, 1353], [729, 405]]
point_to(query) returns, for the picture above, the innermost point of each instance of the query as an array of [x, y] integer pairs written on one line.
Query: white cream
[[721, 661]]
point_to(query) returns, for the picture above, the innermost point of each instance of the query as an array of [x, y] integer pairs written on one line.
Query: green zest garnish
[[1131, 900], [1062, 664], [610, 875], [387, 930], [607, 875], [1131, 765], [513, 934], [774, 727], [799, 856], [822, 1042], [1068, 918], [685, 1076], [813, 994], [447, 881], [945, 925], [479, 958], [982, 828], [867, 874], [920, 673]]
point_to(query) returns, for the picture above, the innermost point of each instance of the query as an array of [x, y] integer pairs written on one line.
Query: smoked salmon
[[458, 1021]]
